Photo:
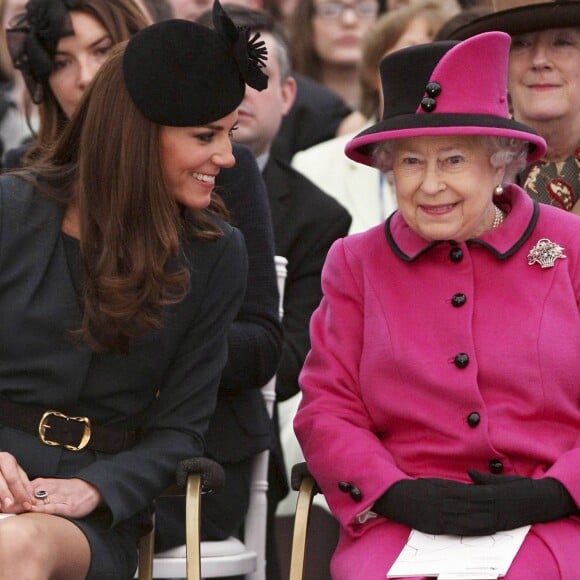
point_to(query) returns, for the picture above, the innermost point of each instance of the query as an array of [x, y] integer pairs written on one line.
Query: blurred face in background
[[339, 27], [193, 9], [77, 60], [394, 4], [11, 8], [544, 76], [8, 9], [190, 9]]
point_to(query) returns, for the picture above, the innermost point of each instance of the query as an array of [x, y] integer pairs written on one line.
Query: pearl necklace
[[498, 219]]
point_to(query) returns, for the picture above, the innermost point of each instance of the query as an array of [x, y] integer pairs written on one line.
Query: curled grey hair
[[503, 151]]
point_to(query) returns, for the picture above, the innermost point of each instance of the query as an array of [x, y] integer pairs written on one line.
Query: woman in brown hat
[[119, 282], [544, 87]]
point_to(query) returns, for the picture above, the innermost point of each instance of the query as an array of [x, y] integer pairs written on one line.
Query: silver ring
[[42, 494]]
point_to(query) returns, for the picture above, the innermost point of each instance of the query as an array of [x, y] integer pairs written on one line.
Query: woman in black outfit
[[119, 282]]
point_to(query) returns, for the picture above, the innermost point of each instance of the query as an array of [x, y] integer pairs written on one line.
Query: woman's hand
[[493, 503], [73, 498], [519, 501], [16, 491], [437, 506]]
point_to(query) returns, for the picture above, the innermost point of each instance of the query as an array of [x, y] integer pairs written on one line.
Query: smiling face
[[191, 157], [338, 37], [77, 59], [444, 186], [544, 76]]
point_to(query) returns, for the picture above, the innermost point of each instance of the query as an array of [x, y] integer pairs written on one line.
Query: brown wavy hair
[[305, 59], [132, 230], [121, 19]]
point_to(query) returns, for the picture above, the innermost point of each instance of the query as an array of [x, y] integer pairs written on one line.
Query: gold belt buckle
[[42, 427]]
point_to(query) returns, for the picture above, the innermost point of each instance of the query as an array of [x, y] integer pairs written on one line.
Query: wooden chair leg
[[192, 527], [146, 548], [303, 505]]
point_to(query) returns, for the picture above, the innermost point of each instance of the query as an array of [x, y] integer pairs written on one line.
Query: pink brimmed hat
[[446, 88]]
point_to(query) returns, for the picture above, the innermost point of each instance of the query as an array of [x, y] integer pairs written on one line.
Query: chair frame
[[306, 486], [251, 558]]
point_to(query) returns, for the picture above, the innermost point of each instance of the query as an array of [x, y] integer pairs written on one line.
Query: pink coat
[[386, 396]]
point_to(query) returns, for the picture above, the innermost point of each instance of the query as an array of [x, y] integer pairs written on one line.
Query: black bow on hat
[[180, 73], [32, 40]]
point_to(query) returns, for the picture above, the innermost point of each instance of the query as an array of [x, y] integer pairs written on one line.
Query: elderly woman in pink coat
[[442, 391]]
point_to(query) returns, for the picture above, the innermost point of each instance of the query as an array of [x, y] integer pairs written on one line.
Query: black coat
[[313, 118], [306, 223], [240, 426], [166, 385]]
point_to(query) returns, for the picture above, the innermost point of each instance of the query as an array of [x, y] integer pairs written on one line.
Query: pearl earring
[[498, 190]]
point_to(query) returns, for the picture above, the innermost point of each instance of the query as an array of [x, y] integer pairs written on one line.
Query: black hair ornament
[[33, 37], [248, 50]]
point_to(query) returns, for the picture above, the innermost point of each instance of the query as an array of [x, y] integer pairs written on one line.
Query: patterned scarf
[[554, 183]]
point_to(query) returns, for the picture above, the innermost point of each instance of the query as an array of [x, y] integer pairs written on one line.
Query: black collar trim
[[501, 256]]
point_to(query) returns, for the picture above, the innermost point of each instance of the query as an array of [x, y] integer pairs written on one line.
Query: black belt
[[74, 433]]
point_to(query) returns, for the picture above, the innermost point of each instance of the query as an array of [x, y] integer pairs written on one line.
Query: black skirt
[[114, 550]]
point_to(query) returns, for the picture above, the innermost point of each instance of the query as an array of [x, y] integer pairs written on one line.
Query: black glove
[[439, 506], [520, 501]]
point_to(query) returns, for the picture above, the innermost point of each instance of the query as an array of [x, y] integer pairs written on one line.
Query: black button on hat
[[428, 104], [356, 494], [344, 486], [433, 89]]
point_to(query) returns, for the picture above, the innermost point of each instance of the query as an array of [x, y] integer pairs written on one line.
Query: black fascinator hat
[[32, 38], [180, 73]]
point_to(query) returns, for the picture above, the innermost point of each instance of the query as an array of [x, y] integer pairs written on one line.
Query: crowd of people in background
[[286, 184]]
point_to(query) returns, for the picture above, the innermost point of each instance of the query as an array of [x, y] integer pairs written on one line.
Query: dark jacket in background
[[240, 426], [314, 117], [306, 223]]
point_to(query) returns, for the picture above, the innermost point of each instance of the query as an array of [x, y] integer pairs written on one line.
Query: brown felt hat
[[523, 16]]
